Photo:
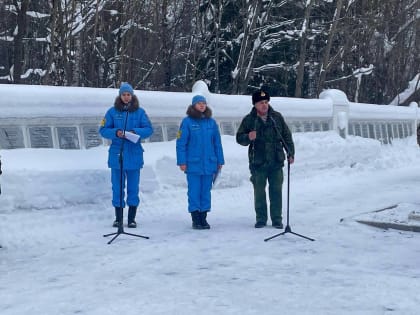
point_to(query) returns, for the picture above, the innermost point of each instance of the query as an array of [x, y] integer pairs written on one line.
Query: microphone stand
[[0, 187], [0, 174], [288, 229], [120, 223]]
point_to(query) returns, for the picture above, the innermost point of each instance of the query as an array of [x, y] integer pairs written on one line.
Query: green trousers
[[259, 179]]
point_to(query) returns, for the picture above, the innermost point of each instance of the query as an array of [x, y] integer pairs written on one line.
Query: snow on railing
[[68, 117]]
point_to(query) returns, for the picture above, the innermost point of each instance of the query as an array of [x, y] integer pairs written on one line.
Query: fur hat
[[126, 87], [260, 95], [198, 98]]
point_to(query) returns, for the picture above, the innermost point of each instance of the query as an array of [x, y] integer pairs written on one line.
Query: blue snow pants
[[199, 192], [133, 179]]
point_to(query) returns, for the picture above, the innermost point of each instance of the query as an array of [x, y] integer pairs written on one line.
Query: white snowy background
[[55, 207]]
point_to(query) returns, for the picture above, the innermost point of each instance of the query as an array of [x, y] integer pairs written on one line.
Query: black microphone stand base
[[121, 231], [289, 230]]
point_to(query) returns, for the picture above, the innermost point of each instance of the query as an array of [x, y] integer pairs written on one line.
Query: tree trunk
[[302, 50], [217, 46], [249, 21], [327, 51], [92, 75], [18, 40], [54, 14]]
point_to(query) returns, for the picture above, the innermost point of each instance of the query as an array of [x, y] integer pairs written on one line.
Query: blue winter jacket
[[138, 122], [198, 144]]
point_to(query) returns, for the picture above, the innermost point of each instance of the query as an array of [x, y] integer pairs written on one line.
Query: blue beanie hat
[[126, 87], [198, 98]]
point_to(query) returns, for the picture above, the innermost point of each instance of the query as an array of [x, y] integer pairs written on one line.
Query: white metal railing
[[68, 117]]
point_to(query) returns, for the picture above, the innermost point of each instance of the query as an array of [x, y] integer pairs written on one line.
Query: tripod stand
[[120, 222], [0, 185], [288, 228], [0, 174]]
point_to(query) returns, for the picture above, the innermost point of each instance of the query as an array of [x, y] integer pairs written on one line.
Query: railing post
[[416, 121], [340, 113], [25, 134]]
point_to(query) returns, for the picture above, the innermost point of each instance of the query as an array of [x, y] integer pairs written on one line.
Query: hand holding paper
[[132, 136]]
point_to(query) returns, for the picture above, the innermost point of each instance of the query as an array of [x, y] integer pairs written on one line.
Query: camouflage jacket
[[267, 148]]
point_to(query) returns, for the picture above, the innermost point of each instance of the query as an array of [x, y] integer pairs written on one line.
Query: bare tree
[[327, 50], [51, 55], [368, 49], [302, 48], [250, 43], [21, 8]]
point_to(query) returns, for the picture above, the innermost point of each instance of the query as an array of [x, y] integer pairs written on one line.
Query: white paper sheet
[[132, 136]]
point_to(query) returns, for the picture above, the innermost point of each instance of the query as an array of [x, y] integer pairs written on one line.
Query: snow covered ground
[[55, 206]]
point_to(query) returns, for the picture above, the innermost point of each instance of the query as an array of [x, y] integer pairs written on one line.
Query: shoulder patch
[[178, 134], [103, 121]]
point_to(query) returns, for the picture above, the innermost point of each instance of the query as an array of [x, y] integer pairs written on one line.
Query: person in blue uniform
[[200, 155], [125, 116]]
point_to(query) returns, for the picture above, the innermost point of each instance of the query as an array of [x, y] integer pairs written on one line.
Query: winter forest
[[370, 49]]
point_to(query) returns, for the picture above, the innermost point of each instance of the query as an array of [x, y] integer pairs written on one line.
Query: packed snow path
[[55, 207]]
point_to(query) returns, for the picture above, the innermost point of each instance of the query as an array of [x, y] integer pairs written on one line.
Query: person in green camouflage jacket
[[263, 130]]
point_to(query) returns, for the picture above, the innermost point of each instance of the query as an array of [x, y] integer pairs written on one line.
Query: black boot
[[118, 216], [132, 210], [196, 220], [204, 223]]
